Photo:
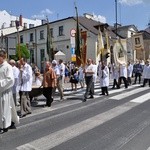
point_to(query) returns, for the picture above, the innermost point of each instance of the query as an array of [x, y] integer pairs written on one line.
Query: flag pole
[[77, 40], [116, 13], [49, 43]]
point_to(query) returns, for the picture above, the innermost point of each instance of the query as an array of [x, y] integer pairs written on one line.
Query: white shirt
[[146, 72], [89, 68], [130, 70], [26, 82], [123, 71], [16, 72], [95, 73], [62, 69], [57, 70]]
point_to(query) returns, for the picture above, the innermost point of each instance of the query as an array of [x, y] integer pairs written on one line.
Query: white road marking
[[142, 98], [126, 94], [77, 129]]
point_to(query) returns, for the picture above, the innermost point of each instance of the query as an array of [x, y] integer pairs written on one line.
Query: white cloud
[[99, 18], [43, 14], [133, 2]]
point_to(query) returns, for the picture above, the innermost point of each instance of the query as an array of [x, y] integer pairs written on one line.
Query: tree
[[22, 51]]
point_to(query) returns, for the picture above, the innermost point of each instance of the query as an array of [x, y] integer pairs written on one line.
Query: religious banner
[[120, 52], [138, 41], [100, 43], [83, 46]]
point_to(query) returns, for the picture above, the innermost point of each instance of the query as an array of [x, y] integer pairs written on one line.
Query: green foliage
[[23, 52]]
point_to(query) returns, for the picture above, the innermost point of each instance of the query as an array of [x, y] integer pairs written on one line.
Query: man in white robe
[[129, 72], [25, 87], [146, 73], [8, 112], [104, 78], [15, 88]]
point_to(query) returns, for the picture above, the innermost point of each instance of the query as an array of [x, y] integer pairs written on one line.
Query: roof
[[88, 24], [146, 35], [127, 27], [148, 29]]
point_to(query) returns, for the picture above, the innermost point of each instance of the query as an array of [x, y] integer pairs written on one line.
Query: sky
[[129, 12]]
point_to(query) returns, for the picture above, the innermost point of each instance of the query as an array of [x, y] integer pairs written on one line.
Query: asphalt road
[[120, 121]]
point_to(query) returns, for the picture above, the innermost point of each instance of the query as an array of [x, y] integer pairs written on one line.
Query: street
[[120, 121]]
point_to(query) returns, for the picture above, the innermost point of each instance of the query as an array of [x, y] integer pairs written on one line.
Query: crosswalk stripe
[[142, 98], [47, 109], [77, 129], [126, 94], [81, 93], [85, 125]]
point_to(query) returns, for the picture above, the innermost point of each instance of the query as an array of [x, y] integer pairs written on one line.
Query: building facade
[[62, 40]]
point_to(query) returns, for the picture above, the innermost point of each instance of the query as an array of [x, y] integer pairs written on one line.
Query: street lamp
[[18, 36]]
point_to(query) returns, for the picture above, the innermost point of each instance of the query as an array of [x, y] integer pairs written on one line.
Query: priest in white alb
[[8, 114]]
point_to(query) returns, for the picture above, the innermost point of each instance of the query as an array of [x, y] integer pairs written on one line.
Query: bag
[[76, 77]]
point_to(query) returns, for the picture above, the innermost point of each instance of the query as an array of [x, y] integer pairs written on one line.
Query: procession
[[18, 79]]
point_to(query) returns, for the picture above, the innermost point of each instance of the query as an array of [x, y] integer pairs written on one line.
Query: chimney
[[20, 20]]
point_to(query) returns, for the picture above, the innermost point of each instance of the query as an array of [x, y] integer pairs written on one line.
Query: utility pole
[[116, 13]]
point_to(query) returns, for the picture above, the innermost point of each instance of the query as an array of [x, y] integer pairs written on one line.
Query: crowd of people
[[17, 78]]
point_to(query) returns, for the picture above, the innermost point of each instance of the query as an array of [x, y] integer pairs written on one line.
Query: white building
[[63, 39], [36, 39], [7, 22]]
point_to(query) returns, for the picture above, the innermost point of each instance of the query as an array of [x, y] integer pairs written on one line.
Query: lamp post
[[18, 36]]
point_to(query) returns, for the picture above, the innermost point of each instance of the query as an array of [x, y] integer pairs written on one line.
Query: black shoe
[[91, 96], [107, 94], [84, 100], [21, 116], [142, 86], [29, 112], [12, 126], [102, 94], [3, 130], [49, 105]]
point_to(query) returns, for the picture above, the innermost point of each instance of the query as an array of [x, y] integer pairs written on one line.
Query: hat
[[54, 62]]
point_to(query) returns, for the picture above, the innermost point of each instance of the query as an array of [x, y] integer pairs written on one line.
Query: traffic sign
[[72, 32]]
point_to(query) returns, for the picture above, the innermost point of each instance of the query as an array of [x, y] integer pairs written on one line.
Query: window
[[51, 32], [41, 34], [61, 30], [31, 25], [137, 40], [42, 59], [21, 39], [31, 56], [31, 37]]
